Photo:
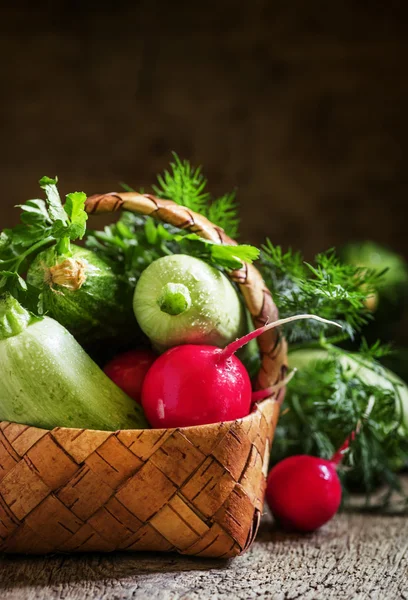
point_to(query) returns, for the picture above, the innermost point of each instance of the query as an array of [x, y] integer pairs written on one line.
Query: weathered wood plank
[[356, 557]]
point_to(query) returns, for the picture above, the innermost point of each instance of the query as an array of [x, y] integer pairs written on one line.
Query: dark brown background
[[301, 105]]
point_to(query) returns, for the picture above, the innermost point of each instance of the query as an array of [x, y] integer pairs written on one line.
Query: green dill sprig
[[223, 212], [183, 184], [328, 288], [186, 185], [334, 393]]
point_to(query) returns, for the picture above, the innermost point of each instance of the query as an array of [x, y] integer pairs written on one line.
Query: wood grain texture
[[354, 557]]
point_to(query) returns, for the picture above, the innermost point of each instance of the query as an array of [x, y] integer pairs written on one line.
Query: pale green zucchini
[[47, 380]]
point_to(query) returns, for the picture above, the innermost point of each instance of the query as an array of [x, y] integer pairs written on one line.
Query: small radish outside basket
[[194, 490]]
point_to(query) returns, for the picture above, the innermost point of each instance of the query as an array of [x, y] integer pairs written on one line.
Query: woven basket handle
[[256, 295]]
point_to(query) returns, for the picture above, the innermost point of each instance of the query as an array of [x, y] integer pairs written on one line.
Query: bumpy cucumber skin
[[216, 315], [101, 308], [47, 380]]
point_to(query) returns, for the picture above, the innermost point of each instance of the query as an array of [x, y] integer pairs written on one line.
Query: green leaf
[[244, 252], [60, 229], [26, 236], [226, 260], [34, 227], [125, 231], [10, 279], [44, 181], [22, 283], [5, 276], [55, 208], [75, 209], [4, 241], [232, 257], [150, 231], [34, 212], [71, 223], [229, 257], [164, 233]]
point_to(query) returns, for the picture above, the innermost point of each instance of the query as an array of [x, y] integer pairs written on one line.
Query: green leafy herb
[[74, 207], [127, 187], [331, 395], [231, 257], [42, 223], [226, 256], [223, 212], [329, 288], [55, 210], [183, 184], [136, 241], [187, 186]]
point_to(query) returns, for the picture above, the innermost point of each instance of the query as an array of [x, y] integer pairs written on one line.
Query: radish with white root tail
[[199, 384]]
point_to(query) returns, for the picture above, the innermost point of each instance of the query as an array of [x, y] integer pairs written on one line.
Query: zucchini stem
[[13, 317], [64, 247], [175, 299]]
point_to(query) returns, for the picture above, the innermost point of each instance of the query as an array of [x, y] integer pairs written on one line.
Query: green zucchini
[[47, 380], [180, 299], [84, 293]]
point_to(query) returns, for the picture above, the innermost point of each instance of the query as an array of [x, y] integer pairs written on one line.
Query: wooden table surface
[[356, 557]]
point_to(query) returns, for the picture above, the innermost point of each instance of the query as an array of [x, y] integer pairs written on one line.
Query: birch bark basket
[[193, 490]]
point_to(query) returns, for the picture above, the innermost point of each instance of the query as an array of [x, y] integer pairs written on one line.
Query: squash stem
[[13, 317], [175, 299], [64, 247]]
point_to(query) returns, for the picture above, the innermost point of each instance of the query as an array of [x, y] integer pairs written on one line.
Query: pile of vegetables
[[139, 325]]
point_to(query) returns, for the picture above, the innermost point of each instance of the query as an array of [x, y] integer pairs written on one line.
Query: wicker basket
[[194, 490]]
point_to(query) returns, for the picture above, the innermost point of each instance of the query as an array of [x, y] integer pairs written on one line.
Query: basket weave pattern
[[194, 490]]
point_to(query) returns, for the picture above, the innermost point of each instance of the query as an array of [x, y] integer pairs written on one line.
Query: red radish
[[304, 492], [129, 369], [190, 385], [197, 384]]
